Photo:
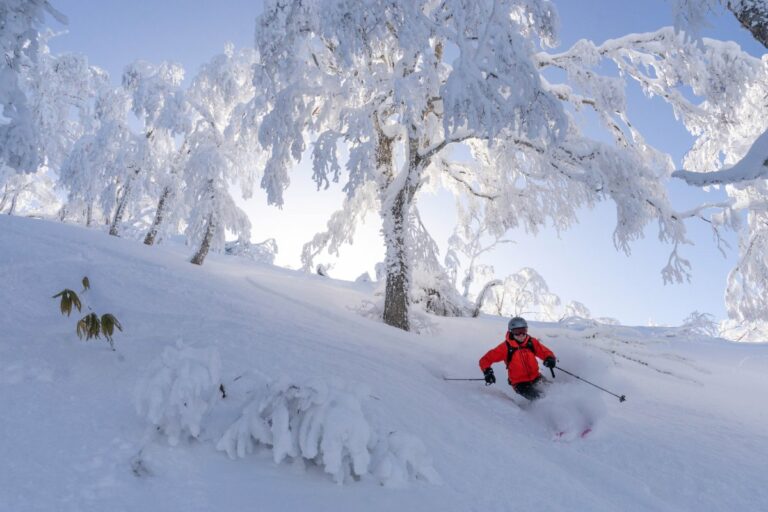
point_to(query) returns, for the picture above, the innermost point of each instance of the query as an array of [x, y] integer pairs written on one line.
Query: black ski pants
[[529, 390]]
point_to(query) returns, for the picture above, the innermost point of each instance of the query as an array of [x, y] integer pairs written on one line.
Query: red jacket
[[523, 367]]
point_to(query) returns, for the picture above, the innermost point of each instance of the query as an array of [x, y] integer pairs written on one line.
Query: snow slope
[[691, 435]]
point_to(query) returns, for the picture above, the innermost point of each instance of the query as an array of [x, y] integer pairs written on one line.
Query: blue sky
[[580, 265]]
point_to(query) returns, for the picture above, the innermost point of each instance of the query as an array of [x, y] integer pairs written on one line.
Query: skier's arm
[[540, 350], [493, 356]]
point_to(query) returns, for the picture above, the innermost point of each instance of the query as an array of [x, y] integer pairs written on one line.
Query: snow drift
[[334, 395]]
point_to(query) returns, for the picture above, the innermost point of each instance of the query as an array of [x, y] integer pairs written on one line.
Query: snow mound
[[179, 389], [325, 423]]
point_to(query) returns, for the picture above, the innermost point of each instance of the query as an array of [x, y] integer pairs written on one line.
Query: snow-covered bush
[[325, 423], [399, 458], [607, 320], [735, 330], [431, 288], [577, 322], [179, 389], [577, 309], [263, 252], [364, 278], [699, 324]]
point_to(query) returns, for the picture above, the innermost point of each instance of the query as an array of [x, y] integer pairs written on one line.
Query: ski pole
[[621, 398]]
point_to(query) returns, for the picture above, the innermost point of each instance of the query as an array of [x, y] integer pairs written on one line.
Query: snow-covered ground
[[691, 435]]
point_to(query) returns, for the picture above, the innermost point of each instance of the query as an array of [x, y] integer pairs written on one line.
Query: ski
[[566, 435]]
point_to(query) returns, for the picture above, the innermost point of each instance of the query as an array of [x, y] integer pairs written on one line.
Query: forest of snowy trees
[[389, 98]]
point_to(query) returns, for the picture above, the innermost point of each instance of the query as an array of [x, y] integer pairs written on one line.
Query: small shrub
[[90, 326]]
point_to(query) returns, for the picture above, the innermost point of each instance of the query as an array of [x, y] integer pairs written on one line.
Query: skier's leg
[[527, 390]]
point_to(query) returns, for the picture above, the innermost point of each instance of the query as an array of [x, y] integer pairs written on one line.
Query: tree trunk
[[122, 204], [396, 214], [468, 278], [118, 218], [14, 200], [162, 204], [398, 279], [481, 296], [4, 199], [753, 15], [89, 215], [499, 303], [202, 252], [395, 263]]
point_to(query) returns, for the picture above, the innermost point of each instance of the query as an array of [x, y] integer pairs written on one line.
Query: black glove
[[490, 378], [550, 362]]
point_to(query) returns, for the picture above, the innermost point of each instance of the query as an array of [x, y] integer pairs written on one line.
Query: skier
[[519, 351]]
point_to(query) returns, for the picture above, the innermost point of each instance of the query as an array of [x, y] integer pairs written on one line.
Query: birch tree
[[731, 150], [469, 240], [100, 169], [21, 22], [218, 96], [525, 293], [47, 103], [751, 14], [158, 100], [377, 77]]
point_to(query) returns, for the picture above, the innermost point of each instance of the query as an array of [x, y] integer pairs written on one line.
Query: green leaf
[[108, 324], [68, 299], [81, 328], [76, 301], [89, 326]]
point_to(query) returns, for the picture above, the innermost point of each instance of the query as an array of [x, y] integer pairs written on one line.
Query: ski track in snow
[[690, 437]]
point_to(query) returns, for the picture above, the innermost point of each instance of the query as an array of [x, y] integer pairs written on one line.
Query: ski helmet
[[517, 322]]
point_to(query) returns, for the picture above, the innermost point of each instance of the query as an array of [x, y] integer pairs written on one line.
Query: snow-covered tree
[[218, 95], [752, 15], [54, 100], [731, 148], [403, 83], [262, 252], [101, 167], [62, 101], [158, 101], [431, 286], [471, 239], [740, 330], [21, 22], [699, 324], [524, 293], [32, 192]]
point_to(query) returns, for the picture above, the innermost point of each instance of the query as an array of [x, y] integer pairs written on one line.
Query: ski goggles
[[518, 331]]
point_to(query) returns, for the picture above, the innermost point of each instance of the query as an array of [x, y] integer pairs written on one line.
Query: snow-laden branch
[[753, 166]]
